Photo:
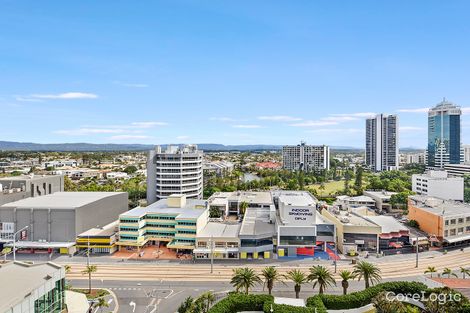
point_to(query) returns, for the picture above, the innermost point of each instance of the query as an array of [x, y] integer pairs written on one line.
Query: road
[[165, 297]]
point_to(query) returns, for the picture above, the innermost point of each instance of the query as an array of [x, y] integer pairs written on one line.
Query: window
[[452, 232], [298, 240], [467, 229], [446, 233], [460, 220], [468, 219], [447, 222], [452, 222], [460, 230]]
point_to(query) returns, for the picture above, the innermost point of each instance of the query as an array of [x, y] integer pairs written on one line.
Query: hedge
[[361, 298], [237, 302], [283, 308]]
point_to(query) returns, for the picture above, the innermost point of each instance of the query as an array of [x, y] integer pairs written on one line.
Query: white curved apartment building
[[174, 170]]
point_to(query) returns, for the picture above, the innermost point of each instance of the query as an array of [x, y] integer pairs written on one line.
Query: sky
[[229, 72]]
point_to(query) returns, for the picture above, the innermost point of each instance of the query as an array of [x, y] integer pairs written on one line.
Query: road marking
[[173, 294]]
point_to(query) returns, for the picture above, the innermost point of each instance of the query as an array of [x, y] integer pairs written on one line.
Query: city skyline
[[271, 74]]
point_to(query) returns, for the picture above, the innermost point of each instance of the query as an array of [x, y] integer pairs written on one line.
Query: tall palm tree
[[369, 271], [430, 269], [89, 269], [322, 277], [207, 299], [464, 271], [186, 306], [270, 276], [298, 278], [447, 271], [244, 278], [345, 277], [102, 303]]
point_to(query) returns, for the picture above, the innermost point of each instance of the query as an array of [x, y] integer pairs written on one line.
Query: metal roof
[[193, 209]]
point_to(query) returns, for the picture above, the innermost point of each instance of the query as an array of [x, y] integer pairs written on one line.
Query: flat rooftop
[[256, 223], [105, 231], [220, 230], [439, 206], [26, 177], [258, 197], [384, 194], [192, 210], [61, 200], [388, 223], [295, 198], [22, 279], [350, 219]]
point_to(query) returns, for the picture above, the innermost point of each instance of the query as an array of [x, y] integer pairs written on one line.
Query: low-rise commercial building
[[219, 168], [173, 222], [99, 239], [438, 184], [54, 221], [258, 233], [218, 239], [393, 234], [354, 232], [231, 203], [32, 288], [381, 198], [300, 228], [347, 202], [457, 170], [447, 222], [22, 187]]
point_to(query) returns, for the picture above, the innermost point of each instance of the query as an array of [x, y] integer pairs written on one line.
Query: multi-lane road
[[157, 287]]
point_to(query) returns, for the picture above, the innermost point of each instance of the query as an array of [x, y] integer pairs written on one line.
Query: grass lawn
[[95, 293], [331, 188]]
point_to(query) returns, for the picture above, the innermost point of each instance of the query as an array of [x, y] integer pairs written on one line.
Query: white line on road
[[172, 294]]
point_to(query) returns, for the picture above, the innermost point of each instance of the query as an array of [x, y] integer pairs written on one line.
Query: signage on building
[[7, 228], [304, 215], [24, 235]]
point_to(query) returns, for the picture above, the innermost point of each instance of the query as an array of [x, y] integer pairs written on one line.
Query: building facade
[[438, 184], [32, 288], [444, 135], [22, 187], [446, 222], [382, 143], [173, 222], [174, 170], [305, 157]]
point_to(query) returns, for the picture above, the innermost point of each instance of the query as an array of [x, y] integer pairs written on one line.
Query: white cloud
[[66, 95], [182, 137], [466, 110], [131, 85], [314, 123], [129, 137], [26, 99], [279, 118], [337, 130], [246, 126], [418, 110], [148, 124], [356, 115], [89, 131]]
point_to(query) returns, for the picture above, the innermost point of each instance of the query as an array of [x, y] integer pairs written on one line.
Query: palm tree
[[322, 277], [244, 278], [243, 207], [89, 269], [270, 275], [346, 276], [430, 269], [447, 271], [102, 303], [369, 271], [464, 271], [207, 299], [298, 278], [186, 306]]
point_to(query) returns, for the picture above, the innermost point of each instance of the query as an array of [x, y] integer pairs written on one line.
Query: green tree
[[368, 271], [447, 271], [464, 271], [430, 270], [322, 277], [131, 169], [270, 276], [244, 278], [298, 278], [101, 303], [346, 276], [243, 207], [89, 270], [186, 306], [206, 300], [214, 212]]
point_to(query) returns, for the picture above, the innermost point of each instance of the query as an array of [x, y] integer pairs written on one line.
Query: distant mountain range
[[30, 146]]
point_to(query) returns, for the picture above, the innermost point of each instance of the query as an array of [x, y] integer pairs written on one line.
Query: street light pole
[[417, 250], [212, 254], [14, 242]]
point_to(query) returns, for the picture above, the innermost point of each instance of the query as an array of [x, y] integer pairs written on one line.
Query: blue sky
[[231, 72]]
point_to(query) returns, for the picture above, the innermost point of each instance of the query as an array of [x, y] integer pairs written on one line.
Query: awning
[[457, 238], [41, 245]]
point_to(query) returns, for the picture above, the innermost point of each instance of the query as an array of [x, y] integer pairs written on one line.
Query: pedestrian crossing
[[125, 288]]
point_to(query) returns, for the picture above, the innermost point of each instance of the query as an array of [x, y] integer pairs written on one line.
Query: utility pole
[[417, 250], [88, 253], [212, 254]]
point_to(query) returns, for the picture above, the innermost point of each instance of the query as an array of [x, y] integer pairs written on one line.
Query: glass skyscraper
[[444, 143]]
